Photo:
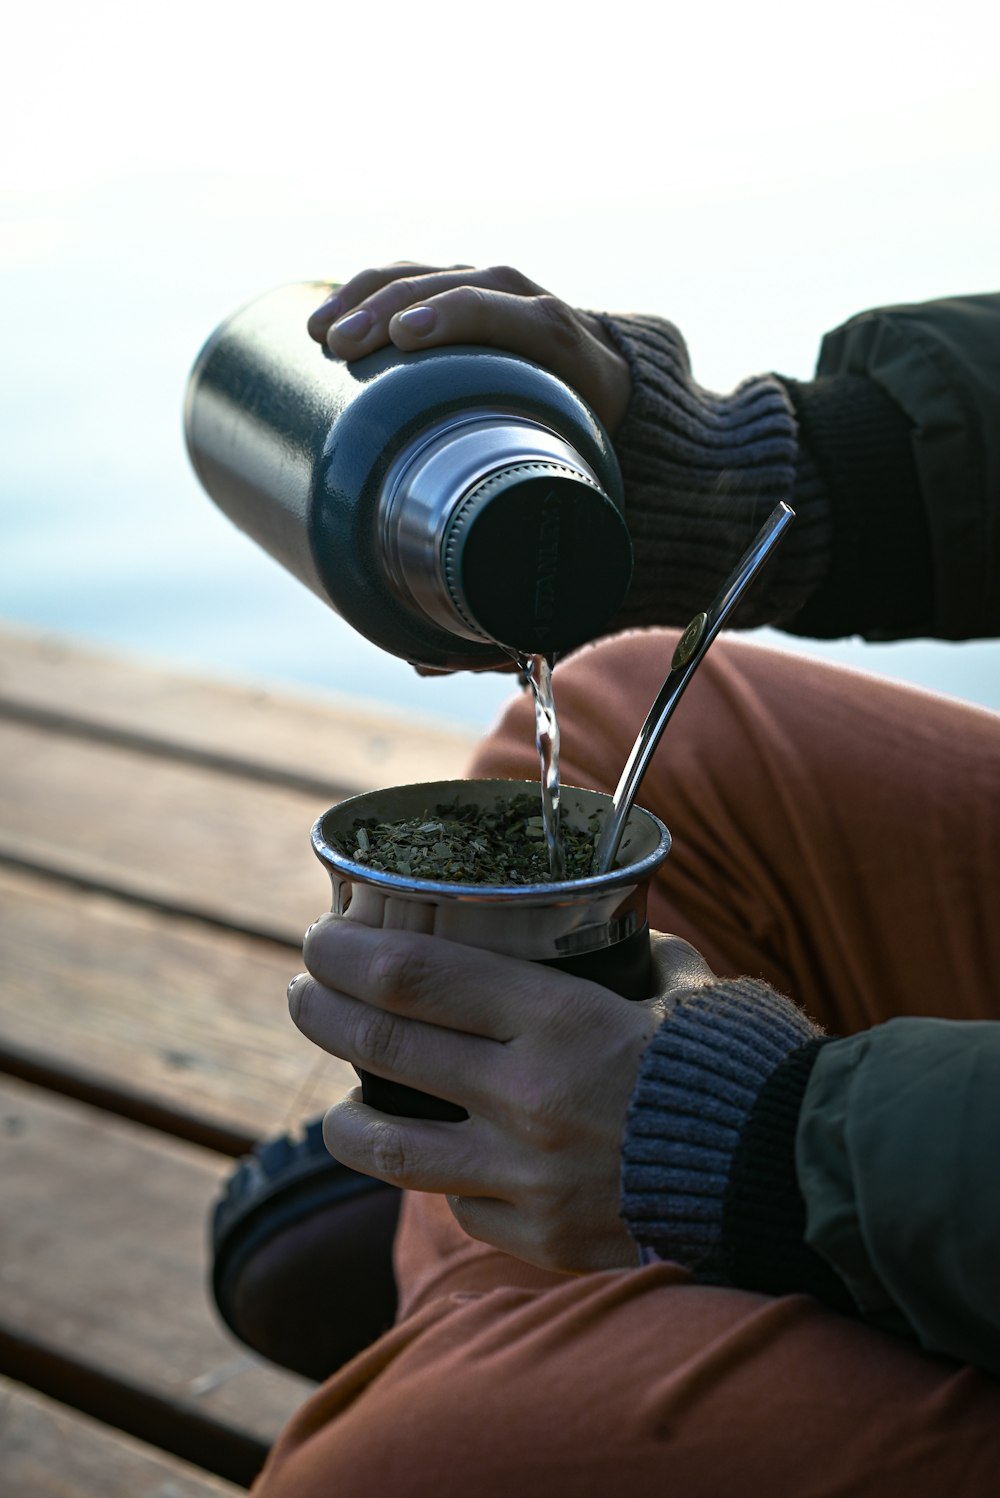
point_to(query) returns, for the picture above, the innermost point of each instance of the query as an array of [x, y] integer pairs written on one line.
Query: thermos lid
[[497, 528], [537, 557]]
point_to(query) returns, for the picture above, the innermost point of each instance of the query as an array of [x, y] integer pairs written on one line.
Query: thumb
[[677, 966]]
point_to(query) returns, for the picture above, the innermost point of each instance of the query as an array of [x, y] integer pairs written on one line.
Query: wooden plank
[[105, 1258], [339, 741], [184, 1014], [63, 1074], [49, 1451], [71, 1378], [152, 786], [172, 833]]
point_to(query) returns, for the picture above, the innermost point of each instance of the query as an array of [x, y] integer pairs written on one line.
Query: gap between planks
[[320, 741], [104, 1302], [50, 1451], [189, 1017]]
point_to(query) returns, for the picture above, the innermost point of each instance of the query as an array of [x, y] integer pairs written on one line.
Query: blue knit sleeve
[[708, 1168]]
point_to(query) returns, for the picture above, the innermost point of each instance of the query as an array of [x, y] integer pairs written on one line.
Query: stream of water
[[537, 670]]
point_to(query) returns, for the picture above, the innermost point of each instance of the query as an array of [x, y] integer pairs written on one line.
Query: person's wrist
[[702, 472], [699, 1083]]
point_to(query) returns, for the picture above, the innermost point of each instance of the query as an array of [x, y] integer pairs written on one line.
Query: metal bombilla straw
[[688, 655]]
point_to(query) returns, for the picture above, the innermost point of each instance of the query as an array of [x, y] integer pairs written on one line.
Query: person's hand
[[544, 1064], [422, 306]]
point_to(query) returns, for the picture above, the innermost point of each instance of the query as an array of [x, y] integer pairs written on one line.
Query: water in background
[[105, 533], [757, 183], [106, 299]]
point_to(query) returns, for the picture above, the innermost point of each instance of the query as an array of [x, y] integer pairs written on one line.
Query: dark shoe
[[302, 1255]]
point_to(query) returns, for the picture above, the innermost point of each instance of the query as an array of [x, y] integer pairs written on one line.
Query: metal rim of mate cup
[[593, 927]]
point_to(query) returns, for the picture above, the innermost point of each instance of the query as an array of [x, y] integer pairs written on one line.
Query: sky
[[755, 173]]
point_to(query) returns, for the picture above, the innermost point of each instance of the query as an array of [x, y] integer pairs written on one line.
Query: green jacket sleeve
[[940, 362], [898, 1160]]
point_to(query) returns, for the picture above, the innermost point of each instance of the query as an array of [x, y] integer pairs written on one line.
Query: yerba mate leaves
[[460, 843]]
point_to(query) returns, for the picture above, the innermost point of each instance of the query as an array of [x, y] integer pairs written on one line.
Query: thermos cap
[[533, 555], [498, 530]]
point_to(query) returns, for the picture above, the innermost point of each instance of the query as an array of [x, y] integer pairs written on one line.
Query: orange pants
[[840, 837]]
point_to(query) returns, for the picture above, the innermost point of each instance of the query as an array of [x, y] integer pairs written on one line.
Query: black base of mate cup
[[624, 968], [593, 927]]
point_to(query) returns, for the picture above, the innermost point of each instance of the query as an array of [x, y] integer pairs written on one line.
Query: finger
[[535, 325], [498, 1222], [415, 1154], [564, 1246], [442, 982], [348, 294], [366, 326], [463, 1069], [416, 306], [677, 965], [525, 321]]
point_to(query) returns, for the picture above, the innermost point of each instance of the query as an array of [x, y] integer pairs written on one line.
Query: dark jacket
[[898, 1159], [940, 363], [892, 1137], [898, 1141]]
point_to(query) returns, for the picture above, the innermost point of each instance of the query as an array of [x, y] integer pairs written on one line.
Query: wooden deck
[[155, 882]]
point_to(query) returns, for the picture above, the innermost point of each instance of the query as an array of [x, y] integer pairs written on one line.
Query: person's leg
[[831, 835], [301, 1249], [506, 1380], [835, 834]]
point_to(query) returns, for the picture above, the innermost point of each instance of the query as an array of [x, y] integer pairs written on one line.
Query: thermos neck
[[497, 529]]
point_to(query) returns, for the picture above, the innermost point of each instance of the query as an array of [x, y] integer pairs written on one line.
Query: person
[[746, 1231]]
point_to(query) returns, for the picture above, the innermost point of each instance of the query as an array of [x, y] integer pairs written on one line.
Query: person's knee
[[625, 1381]]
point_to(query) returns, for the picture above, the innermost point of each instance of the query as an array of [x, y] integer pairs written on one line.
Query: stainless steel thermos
[[451, 504]]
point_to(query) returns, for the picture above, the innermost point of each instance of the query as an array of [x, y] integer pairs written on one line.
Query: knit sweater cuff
[[702, 472], [692, 1189]]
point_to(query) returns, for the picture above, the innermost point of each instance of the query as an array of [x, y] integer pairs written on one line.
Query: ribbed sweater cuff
[[702, 473], [689, 1189]]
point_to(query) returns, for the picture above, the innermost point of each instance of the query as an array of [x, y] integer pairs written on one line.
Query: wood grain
[[155, 881], [105, 1254], [48, 1451], [189, 1015], [174, 833], [348, 744]]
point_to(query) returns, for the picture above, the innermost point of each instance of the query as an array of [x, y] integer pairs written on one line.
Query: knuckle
[[395, 294], [397, 968], [389, 1156], [379, 1038], [477, 303], [363, 285], [507, 278], [406, 288], [562, 323]]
